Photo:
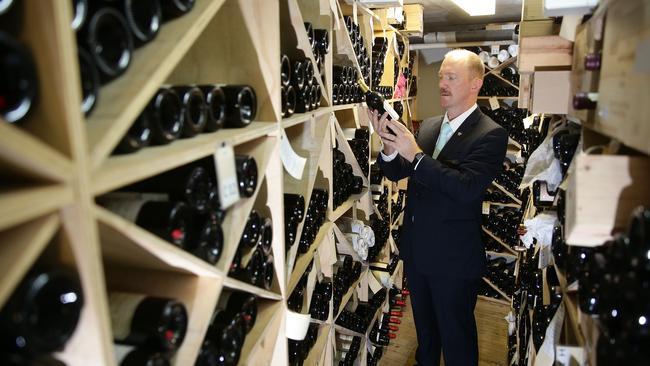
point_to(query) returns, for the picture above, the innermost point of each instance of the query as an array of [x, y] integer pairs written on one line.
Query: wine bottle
[[246, 174], [42, 313], [171, 221], [175, 8], [251, 271], [309, 72], [207, 243], [190, 183], [148, 321], [240, 302], [165, 112], [143, 18], [267, 273], [79, 14], [215, 103], [375, 101], [266, 236], [298, 75], [193, 110], [19, 86], [310, 33], [241, 105], [137, 137], [252, 230], [139, 356], [89, 81], [593, 61], [223, 341], [108, 38], [285, 70]]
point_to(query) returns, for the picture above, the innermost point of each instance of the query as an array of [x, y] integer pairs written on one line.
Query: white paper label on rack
[[224, 160], [494, 49], [293, 163], [391, 111], [297, 325], [546, 354], [371, 23], [354, 12], [569, 356], [494, 103], [528, 121], [486, 208]]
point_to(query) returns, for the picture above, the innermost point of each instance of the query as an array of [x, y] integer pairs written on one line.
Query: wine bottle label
[[224, 159], [121, 351], [391, 111], [128, 204], [122, 308]]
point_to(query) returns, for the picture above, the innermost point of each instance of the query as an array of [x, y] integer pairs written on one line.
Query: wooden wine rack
[[62, 161]]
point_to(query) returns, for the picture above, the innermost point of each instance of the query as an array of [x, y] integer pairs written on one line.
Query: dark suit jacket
[[441, 233]]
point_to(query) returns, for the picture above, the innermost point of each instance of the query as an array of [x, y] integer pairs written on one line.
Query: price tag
[[494, 103], [486, 208], [528, 121], [224, 160], [494, 49], [333, 132], [354, 12], [545, 256], [293, 163]]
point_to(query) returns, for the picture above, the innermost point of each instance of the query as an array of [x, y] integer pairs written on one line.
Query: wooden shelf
[[236, 284], [316, 351], [513, 205], [505, 296], [121, 170], [303, 260], [25, 152], [26, 203], [502, 189], [21, 246], [497, 301], [345, 206], [498, 240], [260, 341], [122, 100], [501, 254]]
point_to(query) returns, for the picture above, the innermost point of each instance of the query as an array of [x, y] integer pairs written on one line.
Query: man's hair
[[472, 61]]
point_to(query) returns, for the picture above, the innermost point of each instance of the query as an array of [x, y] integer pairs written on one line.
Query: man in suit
[[449, 165]]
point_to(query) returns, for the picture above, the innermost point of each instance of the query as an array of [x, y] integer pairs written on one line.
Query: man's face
[[455, 83]]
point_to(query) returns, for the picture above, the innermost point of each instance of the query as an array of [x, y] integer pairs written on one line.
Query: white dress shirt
[[454, 124]]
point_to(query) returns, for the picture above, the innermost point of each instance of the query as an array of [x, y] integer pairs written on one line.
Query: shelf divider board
[[315, 354], [505, 296], [343, 46], [347, 205], [129, 94], [121, 170], [128, 244], [199, 294], [508, 193], [303, 260], [260, 341], [498, 240], [26, 152], [297, 21], [237, 215], [236, 284], [23, 204], [21, 246]]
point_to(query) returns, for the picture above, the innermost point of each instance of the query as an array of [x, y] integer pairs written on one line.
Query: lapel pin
[[460, 134]]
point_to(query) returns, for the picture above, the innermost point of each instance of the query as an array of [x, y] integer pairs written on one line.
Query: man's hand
[[379, 123], [402, 141]]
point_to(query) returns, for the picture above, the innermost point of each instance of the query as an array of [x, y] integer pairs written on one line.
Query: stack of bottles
[[345, 183], [298, 78], [397, 206], [294, 212], [503, 222], [495, 87], [347, 273], [357, 321], [232, 320], [109, 32], [509, 118], [319, 41], [182, 205], [296, 300], [379, 50], [510, 178], [319, 307], [288, 93], [348, 348], [314, 219], [253, 262], [39, 317], [501, 273], [185, 111], [345, 89], [360, 146], [299, 350], [359, 47]]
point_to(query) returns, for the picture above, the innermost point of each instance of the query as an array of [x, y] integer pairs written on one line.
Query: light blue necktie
[[445, 134]]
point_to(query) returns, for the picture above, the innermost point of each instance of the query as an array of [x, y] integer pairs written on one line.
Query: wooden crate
[[544, 51], [603, 190], [414, 19], [492, 331], [623, 107]]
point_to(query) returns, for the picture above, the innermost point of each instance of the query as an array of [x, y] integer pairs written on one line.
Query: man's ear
[[477, 83]]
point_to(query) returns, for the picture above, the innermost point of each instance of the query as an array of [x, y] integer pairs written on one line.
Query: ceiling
[[443, 15]]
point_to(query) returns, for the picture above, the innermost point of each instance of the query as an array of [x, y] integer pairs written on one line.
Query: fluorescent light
[[477, 7]]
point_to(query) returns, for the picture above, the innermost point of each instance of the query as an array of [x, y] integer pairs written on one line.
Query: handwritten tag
[[486, 208], [333, 132], [528, 121], [494, 49], [293, 163], [224, 160], [494, 103]]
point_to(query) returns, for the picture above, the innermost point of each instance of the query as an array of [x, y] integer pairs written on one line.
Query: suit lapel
[[428, 135], [462, 133]]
